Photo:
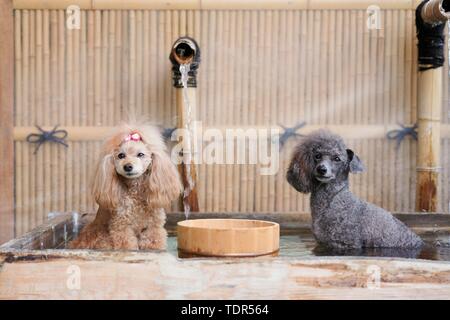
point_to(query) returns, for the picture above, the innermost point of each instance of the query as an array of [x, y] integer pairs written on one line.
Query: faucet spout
[[185, 50]]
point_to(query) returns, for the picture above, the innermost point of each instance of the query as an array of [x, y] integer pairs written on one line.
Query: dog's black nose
[[321, 169], [128, 168]]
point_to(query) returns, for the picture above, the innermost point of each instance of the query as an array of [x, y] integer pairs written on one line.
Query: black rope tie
[[401, 134], [290, 132], [55, 136], [431, 42]]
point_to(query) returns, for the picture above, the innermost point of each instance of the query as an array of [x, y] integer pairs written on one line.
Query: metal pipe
[[436, 11], [185, 50]]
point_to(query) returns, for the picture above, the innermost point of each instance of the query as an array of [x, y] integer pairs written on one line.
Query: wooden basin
[[228, 237], [36, 265]]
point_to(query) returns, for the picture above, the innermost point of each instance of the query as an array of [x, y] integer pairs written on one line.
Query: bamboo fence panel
[[259, 68]]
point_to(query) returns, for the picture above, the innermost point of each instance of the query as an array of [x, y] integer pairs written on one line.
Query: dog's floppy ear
[[299, 172], [355, 164], [107, 189], [164, 183]]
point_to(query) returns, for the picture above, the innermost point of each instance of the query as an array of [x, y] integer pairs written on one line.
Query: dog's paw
[[152, 244], [125, 244]]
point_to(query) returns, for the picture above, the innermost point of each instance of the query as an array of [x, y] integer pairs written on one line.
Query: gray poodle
[[320, 165]]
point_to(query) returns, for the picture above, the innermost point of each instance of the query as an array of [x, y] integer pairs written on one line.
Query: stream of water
[[187, 139]]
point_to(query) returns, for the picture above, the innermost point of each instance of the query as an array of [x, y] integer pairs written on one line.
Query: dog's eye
[[121, 155], [337, 159], [140, 155], [318, 156]]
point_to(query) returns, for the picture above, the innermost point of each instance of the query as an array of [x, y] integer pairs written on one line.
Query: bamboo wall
[[262, 68]]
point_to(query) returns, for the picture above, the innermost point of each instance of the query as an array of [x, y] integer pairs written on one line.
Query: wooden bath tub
[[37, 266]]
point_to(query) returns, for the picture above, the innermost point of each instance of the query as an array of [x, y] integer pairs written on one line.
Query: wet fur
[[339, 218], [131, 211]]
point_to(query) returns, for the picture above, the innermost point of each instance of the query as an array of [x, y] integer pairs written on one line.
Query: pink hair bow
[[133, 137]]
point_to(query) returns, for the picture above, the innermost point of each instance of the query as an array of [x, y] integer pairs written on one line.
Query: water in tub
[[295, 244]]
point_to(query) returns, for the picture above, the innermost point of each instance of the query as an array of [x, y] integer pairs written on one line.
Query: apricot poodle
[[134, 181]]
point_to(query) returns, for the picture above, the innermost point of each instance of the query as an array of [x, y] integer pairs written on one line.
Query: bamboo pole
[[409, 71], [371, 92], [146, 63], [245, 105], [309, 111], [90, 115], [345, 108], [103, 62], [445, 190], [338, 81], [393, 106], [47, 200], [380, 106], [140, 110], [61, 113], [168, 103], [295, 82], [215, 4], [111, 78], [270, 94], [386, 102], [117, 66], [216, 118], [259, 51], [76, 113], [19, 228], [401, 159], [153, 57], [433, 13], [25, 106], [323, 67], [186, 51], [428, 156], [7, 227], [358, 71], [238, 102], [301, 205], [97, 67], [182, 119], [283, 42], [251, 114], [209, 34], [274, 95], [362, 96], [38, 108], [81, 112], [33, 214], [160, 55], [69, 197], [124, 71], [227, 109]]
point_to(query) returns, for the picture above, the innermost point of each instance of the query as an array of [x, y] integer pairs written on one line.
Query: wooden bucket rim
[[265, 224]]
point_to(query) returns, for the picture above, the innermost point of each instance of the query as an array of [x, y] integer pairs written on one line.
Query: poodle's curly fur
[[131, 201], [321, 164]]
